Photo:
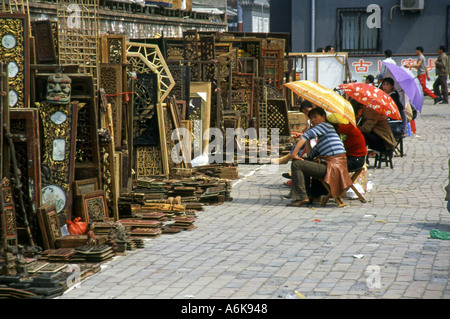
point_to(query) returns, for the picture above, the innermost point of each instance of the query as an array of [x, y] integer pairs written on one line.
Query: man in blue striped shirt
[[327, 160]]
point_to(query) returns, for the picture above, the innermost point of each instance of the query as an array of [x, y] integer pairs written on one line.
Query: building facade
[[249, 15], [363, 27]]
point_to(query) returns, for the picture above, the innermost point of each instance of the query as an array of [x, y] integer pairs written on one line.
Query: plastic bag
[[200, 160], [437, 234], [351, 193], [77, 227]]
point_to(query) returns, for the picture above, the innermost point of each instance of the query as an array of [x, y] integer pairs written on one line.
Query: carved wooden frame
[[87, 202], [148, 58], [49, 225], [205, 112], [84, 186]]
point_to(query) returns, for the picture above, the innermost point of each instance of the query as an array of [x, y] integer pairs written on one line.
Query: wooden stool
[[384, 156], [353, 176], [325, 199], [399, 147]]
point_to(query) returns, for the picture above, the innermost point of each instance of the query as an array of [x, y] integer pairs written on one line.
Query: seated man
[[374, 127], [388, 87], [327, 160]]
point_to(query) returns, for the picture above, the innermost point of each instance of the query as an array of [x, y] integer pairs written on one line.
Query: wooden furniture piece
[[353, 176], [383, 157]]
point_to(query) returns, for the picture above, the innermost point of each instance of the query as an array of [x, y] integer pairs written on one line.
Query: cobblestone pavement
[[255, 247]]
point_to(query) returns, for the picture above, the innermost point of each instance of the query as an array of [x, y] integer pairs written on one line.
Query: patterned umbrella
[[321, 96], [372, 97]]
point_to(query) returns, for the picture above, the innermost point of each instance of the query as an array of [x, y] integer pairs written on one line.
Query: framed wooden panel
[[15, 53], [58, 155], [45, 51], [199, 111], [49, 225], [93, 207], [85, 186]]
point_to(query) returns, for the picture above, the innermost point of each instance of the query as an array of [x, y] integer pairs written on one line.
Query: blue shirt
[[328, 141]]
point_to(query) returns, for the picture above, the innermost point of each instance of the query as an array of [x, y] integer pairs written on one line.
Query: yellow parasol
[[324, 97]]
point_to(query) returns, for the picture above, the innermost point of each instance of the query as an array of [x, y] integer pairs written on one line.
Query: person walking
[[440, 84], [422, 73], [383, 68]]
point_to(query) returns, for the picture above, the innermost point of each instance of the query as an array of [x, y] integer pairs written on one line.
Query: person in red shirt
[[353, 140]]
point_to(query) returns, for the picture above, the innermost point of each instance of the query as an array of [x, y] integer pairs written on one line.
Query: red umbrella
[[372, 97]]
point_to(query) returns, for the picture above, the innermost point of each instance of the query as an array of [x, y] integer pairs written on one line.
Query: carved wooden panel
[[45, 50], [242, 90], [113, 49], [145, 121], [182, 76], [111, 81], [14, 53], [59, 127], [148, 161], [8, 214], [208, 53], [93, 206], [108, 176]]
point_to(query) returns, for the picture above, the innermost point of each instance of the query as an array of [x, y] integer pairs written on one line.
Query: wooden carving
[[59, 126], [45, 50], [14, 52]]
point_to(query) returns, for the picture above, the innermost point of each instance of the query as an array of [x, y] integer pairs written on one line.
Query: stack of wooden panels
[[184, 222], [95, 254]]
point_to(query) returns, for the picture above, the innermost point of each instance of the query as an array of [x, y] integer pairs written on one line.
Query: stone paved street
[[255, 247]]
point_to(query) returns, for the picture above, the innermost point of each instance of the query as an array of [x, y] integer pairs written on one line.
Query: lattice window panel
[[277, 116], [147, 58], [262, 106], [207, 53], [78, 35], [84, 150], [14, 6]]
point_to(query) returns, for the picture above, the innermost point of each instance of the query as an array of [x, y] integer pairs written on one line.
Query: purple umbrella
[[408, 83]]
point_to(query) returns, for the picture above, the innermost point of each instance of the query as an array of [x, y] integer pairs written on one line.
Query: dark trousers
[[440, 87], [301, 172], [354, 163], [374, 142]]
